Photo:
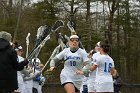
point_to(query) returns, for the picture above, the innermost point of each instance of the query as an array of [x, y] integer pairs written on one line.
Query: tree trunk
[[88, 25], [18, 21], [113, 5], [118, 39]]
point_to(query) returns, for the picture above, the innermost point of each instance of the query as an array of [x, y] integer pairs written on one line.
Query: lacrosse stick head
[[40, 31], [58, 24], [62, 40], [46, 31], [70, 25]]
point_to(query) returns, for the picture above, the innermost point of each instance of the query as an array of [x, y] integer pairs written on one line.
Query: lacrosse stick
[[58, 24], [38, 48], [62, 41], [70, 26], [66, 37], [56, 51], [42, 33], [62, 45], [54, 28], [27, 44]]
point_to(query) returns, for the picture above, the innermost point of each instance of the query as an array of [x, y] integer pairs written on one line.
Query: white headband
[[74, 36]]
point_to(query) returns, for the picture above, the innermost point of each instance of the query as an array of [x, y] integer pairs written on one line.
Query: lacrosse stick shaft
[[38, 47], [27, 44], [52, 55]]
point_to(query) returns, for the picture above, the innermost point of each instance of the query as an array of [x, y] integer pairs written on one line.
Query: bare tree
[[18, 20]]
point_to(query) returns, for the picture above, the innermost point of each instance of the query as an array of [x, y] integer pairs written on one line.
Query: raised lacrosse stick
[[73, 32], [27, 44], [58, 24]]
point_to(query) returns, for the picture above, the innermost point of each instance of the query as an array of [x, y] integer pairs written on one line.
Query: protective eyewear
[[74, 39]]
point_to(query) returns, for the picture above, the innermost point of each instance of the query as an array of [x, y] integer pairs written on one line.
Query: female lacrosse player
[[92, 74], [74, 58], [105, 67], [21, 86]]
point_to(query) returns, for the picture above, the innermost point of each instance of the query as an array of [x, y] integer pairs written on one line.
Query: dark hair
[[16, 44], [105, 45], [92, 52]]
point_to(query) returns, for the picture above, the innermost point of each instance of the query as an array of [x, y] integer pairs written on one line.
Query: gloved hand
[[42, 81]]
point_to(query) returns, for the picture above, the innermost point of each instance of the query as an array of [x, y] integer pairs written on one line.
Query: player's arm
[[95, 64], [53, 62], [84, 71], [56, 59], [113, 71], [93, 67]]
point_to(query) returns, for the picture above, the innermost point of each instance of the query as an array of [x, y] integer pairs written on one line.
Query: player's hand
[[79, 72]]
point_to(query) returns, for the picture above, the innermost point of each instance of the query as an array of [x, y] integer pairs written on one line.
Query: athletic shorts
[[104, 87], [64, 79]]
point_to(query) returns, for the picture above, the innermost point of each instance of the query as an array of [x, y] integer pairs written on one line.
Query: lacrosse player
[[21, 86], [39, 80], [105, 68], [92, 74], [74, 58]]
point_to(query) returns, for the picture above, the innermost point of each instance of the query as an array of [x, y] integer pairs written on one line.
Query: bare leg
[[69, 87]]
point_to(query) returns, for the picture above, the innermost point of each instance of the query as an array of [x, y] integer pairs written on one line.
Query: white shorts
[[104, 87], [91, 85], [64, 79], [28, 86]]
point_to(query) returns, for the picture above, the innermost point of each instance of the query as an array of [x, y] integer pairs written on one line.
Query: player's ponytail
[[105, 45]]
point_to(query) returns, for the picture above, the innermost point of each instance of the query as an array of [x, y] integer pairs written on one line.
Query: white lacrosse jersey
[[104, 80], [19, 74], [21, 86], [92, 75], [36, 84], [73, 61]]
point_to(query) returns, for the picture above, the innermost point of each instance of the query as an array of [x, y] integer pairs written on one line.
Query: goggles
[[74, 39]]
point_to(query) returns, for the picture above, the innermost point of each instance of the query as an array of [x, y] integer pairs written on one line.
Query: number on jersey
[[107, 67], [72, 63]]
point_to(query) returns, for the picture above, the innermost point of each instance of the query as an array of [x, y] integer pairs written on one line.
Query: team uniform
[[36, 82], [39, 80], [92, 75], [73, 61], [21, 86], [104, 80], [28, 80]]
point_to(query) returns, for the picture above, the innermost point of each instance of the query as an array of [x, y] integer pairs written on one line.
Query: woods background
[[116, 20]]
